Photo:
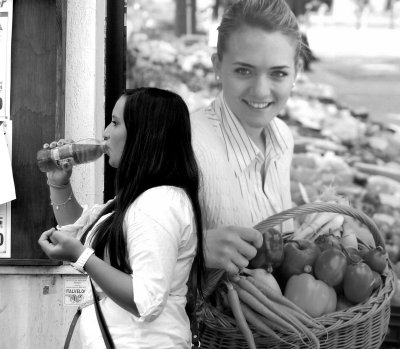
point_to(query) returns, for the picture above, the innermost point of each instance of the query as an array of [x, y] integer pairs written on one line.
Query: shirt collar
[[240, 148]]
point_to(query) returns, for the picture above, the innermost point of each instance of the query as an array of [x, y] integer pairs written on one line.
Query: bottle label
[[66, 163], [56, 154], [62, 152]]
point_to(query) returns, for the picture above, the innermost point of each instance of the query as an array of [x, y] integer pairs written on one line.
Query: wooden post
[[115, 75]]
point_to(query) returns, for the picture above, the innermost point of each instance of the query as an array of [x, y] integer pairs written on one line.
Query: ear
[[216, 64], [299, 67]]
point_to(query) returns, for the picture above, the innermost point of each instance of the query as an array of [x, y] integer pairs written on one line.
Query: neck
[[258, 138]]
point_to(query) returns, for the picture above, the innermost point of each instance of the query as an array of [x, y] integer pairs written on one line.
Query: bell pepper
[[315, 297], [270, 254]]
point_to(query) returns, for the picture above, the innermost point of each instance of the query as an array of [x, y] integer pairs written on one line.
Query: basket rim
[[314, 207]]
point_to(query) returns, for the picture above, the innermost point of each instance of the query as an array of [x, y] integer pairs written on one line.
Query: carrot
[[303, 328], [257, 321], [299, 328], [275, 327], [241, 322], [280, 299], [249, 299], [305, 320], [248, 286]]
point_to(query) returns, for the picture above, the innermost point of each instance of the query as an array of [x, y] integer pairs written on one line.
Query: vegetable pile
[[320, 268]]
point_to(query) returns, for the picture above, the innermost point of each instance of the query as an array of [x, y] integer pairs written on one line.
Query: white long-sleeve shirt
[[159, 228]]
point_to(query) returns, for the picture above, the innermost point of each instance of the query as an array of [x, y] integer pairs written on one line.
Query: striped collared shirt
[[263, 180]]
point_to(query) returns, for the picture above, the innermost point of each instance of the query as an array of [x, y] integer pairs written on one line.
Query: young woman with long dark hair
[[138, 248]]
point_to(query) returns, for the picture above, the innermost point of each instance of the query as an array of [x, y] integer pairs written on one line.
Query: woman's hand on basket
[[59, 176], [231, 248]]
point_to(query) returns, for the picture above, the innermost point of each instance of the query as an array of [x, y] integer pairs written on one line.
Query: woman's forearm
[[116, 284], [65, 206]]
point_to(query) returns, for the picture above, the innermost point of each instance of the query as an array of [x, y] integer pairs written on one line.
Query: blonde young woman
[[244, 149]]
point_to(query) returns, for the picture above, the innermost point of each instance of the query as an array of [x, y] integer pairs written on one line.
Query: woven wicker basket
[[362, 326]]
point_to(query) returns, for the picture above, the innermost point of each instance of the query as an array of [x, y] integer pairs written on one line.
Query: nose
[[261, 87], [106, 134]]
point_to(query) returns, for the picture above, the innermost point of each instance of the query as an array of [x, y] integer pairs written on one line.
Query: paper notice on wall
[[8, 193], [6, 16], [74, 289], [7, 189], [5, 230]]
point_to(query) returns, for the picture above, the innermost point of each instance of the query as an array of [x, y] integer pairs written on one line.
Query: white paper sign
[[74, 288], [5, 230], [5, 209], [7, 189], [6, 7]]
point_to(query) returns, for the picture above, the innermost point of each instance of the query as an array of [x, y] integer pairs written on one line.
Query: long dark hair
[[158, 151]]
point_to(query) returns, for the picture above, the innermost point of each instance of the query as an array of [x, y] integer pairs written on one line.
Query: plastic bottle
[[81, 152]]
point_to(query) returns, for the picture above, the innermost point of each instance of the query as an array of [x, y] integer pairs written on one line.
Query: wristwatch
[[80, 263]]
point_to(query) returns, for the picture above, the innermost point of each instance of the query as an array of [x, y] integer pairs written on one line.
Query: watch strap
[[83, 258]]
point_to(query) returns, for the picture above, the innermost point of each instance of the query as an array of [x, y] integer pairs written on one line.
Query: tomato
[[330, 266], [343, 303], [358, 282], [299, 257], [377, 280], [326, 241], [376, 259], [353, 255], [315, 297]]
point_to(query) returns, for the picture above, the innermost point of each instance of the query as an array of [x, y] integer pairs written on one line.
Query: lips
[[257, 105]]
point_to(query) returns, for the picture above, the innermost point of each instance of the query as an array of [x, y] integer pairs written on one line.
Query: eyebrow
[[247, 65], [244, 64]]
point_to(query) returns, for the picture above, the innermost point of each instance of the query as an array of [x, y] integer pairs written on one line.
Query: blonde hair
[[269, 15]]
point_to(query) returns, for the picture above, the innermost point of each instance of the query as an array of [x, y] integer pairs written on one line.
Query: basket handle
[[280, 217]]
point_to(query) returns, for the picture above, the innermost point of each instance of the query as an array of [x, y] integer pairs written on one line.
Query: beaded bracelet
[[56, 186], [57, 206]]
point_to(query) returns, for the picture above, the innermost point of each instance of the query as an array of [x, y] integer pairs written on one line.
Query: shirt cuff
[[149, 303]]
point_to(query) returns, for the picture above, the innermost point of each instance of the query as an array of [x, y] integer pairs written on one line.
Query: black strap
[[192, 306], [101, 320], [72, 327]]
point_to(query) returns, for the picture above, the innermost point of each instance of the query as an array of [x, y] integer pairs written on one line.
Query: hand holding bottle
[[59, 175], [62, 155]]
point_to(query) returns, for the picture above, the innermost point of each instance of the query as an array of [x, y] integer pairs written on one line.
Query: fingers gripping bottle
[[70, 154]]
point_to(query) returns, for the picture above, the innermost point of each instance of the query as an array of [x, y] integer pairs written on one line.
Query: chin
[[264, 120], [112, 163]]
